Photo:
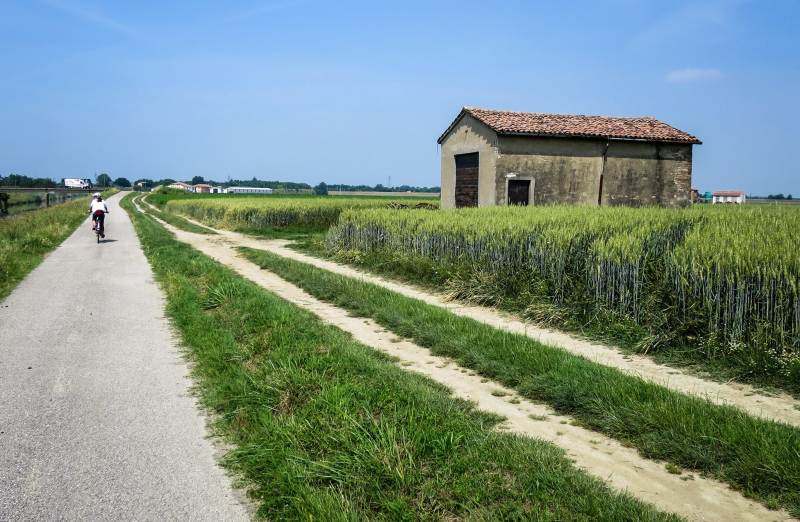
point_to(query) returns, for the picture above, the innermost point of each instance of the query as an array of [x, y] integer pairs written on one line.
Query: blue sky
[[355, 92]]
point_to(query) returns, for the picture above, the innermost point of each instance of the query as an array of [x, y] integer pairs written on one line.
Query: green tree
[[197, 180], [321, 189], [17, 180], [122, 182], [103, 180]]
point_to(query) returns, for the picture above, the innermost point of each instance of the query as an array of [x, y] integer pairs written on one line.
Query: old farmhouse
[[494, 157]]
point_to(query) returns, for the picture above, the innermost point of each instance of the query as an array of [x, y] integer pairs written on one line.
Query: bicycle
[[99, 224]]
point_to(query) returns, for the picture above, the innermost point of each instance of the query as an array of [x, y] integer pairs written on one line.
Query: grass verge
[[26, 238], [760, 458], [172, 219], [299, 233], [491, 290], [324, 428]]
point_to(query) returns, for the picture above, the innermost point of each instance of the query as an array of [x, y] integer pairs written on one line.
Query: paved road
[[96, 418]]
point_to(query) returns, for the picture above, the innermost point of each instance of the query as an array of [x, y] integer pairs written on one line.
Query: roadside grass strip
[[275, 212], [27, 237], [173, 219], [768, 403], [324, 428], [760, 458], [772, 404], [693, 497]]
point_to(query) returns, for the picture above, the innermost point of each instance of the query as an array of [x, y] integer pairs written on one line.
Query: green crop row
[[273, 212], [726, 278]]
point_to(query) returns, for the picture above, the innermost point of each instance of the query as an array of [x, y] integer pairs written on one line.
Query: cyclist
[[94, 198], [98, 210]]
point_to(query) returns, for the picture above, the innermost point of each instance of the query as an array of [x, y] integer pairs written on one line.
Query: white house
[[249, 190], [728, 196], [180, 185]]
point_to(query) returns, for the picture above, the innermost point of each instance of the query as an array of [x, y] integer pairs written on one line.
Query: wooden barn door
[[519, 191], [467, 180]]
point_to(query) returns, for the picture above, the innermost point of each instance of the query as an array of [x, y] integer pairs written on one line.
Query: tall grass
[[27, 237], [726, 278], [324, 428], [277, 211], [24, 198], [757, 456]]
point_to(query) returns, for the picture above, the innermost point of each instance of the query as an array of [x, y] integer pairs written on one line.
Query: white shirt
[[98, 205]]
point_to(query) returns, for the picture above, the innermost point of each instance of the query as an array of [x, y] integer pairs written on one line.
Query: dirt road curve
[[96, 419], [621, 467]]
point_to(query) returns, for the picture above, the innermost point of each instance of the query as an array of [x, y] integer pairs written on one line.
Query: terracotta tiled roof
[[729, 193], [565, 125]]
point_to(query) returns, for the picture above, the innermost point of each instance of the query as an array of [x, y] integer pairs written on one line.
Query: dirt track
[[779, 407], [696, 498]]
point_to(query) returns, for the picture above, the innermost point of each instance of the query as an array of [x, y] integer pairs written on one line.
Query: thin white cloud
[[693, 75], [92, 17], [261, 9], [688, 26]]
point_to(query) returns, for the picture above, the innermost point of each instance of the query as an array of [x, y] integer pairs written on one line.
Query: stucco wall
[[638, 173], [569, 170], [468, 136], [566, 171]]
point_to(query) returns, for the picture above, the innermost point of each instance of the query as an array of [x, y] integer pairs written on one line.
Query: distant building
[[180, 185], [202, 188], [249, 190], [728, 196], [494, 157]]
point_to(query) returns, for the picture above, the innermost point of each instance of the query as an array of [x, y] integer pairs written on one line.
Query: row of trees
[[275, 185], [381, 188], [18, 180], [104, 180]]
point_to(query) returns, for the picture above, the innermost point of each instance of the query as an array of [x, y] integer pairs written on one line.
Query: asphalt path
[[97, 420]]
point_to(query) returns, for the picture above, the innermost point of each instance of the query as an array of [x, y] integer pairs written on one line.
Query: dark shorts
[[99, 217]]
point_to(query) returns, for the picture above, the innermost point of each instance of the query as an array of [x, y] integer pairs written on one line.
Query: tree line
[[380, 188], [104, 180], [18, 180]]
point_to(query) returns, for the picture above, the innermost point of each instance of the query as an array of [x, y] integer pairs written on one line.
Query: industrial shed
[[492, 157]]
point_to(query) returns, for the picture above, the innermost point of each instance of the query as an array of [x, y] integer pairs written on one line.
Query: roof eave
[[693, 141], [452, 125]]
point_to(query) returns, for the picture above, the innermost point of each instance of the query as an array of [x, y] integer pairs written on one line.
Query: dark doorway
[[519, 191], [467, 180]]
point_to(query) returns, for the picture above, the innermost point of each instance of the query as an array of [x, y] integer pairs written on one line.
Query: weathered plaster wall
[[566, 171], [639, 173], [468, 136], [569, 170]]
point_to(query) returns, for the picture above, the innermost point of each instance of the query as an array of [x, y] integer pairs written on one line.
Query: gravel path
[[96, 417], [623, 468]]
